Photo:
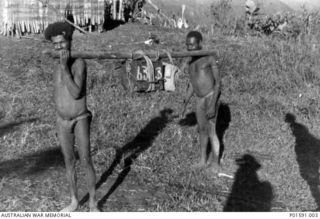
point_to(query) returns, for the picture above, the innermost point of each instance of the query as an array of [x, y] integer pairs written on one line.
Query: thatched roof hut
[[18, 17]]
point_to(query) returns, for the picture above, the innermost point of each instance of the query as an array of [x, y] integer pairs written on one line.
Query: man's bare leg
[[82, 131], [204, 137], [215, 147], [66, 139]]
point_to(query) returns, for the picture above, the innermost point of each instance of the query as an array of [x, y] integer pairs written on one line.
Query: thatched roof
[[33, 16]]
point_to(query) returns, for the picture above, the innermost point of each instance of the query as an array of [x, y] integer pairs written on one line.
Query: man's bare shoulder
[[79, 65], [80, 62], [211, 58], [206, 60]]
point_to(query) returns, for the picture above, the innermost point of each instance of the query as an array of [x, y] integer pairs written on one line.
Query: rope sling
[[169, 75]]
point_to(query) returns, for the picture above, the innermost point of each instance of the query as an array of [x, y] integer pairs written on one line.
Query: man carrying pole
[[73, 117]]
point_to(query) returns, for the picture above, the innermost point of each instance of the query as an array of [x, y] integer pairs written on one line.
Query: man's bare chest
[[61, 74], [198, 64]]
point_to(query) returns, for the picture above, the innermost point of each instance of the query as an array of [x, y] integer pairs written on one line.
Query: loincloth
[[207, 102], [69, 124]]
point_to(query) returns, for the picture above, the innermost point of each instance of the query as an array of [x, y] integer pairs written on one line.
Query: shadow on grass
[[307, 148], [189, 120], [29, 164], [248, 192], [33, 164], [134, 148], [223, 121]]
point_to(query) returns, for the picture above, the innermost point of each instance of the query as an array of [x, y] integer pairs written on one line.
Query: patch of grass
[[263, 80]]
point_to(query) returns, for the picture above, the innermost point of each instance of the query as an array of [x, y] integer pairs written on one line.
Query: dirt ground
[[140, 129], [19, 57]]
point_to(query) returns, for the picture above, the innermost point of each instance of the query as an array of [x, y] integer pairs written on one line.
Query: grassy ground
[[142, 153]]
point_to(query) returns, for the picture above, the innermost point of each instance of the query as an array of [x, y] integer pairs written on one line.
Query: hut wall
[[18, 17]]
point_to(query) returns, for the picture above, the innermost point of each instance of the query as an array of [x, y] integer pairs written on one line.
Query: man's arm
[[217, 87], [75, 83], [184, 64]]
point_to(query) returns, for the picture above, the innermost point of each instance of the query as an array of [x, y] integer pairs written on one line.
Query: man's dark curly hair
[[195, 34], [59, 28]]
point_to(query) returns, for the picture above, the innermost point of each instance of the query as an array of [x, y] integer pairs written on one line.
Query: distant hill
[[297, 4], [198, 11], [273, 6], [266, 6]]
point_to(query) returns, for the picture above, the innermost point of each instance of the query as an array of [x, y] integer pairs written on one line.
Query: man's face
[[60, 43], [192, 44]]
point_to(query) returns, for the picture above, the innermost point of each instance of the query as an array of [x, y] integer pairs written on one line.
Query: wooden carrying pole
[[132, 55]]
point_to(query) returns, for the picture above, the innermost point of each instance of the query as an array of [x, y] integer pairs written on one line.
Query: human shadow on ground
[[248, 192], [32, 163], [130, 151], [307, 149], [223, 121], [189, 120]]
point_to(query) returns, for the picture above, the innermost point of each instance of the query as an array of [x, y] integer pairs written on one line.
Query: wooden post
[[159, 11], [114, 5], [65, 19]]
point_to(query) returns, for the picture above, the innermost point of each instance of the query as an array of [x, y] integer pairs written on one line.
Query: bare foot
[[70, 208], [214, 168], [198, 165], [93, 205], [94, 209]]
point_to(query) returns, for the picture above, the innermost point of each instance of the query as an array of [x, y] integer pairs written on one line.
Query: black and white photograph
[[159, 106]]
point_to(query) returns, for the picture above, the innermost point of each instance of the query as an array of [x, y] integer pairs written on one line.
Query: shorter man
[[205, 82], [73, 117]]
